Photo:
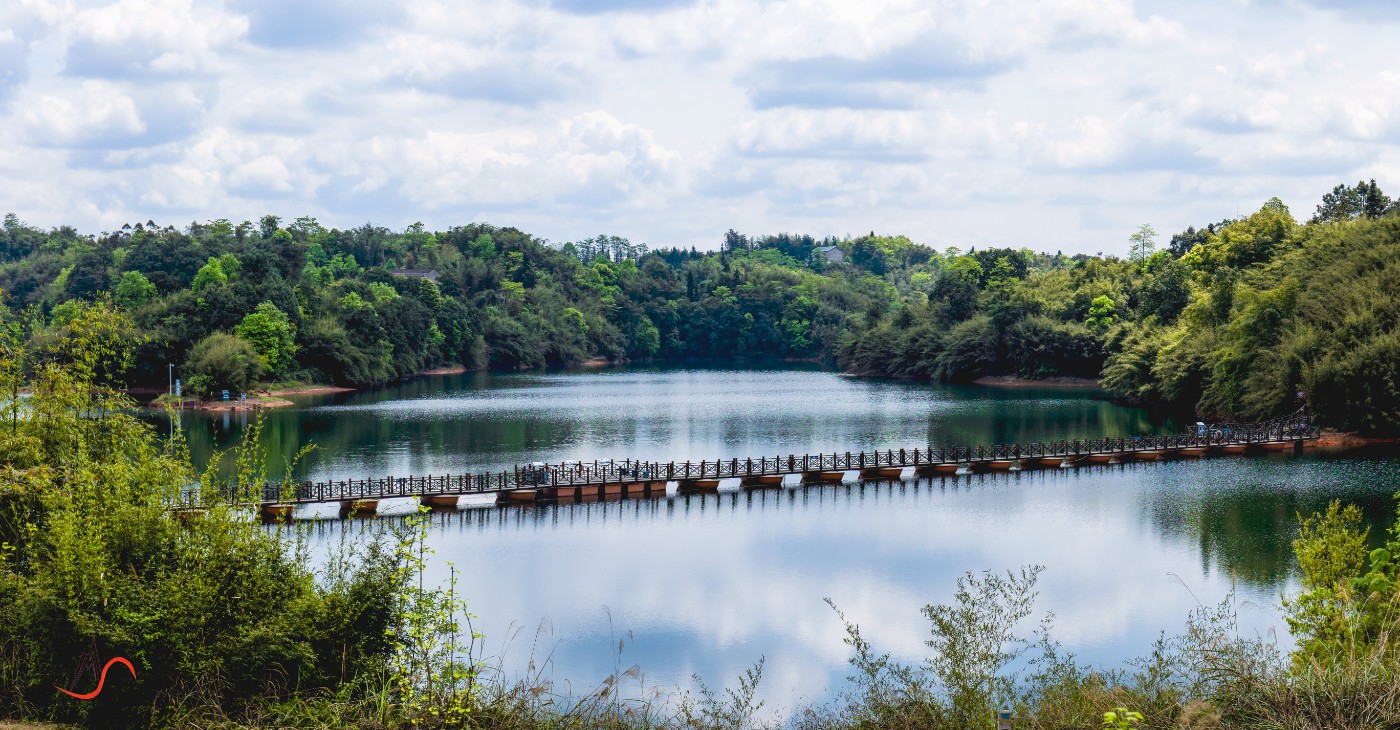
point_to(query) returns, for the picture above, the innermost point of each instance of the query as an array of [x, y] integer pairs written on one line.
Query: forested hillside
[[1234, 318], [231, 304]]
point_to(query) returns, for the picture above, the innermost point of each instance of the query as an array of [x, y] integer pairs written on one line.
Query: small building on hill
[[831, 253], [429, 274]]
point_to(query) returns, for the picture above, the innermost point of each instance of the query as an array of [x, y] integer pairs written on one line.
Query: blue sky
[[1055, 124]]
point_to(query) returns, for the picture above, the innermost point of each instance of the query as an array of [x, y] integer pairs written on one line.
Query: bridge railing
[[1297, 425]]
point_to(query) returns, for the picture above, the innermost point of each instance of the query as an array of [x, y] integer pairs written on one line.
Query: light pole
[[170, 389]]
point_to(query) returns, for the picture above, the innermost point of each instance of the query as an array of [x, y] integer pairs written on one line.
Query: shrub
[[218, 615], [227, 361]]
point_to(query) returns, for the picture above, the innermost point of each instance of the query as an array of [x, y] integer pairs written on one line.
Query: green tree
[[210, 274], [1101, 312], [646, 339], [223, 361], [974, 641], [382, 292], [483, 247], [430, 295], [958, 287], [1166, 288], [1345, 203], [133, 290], [272, 335], [268, 225], [575, 320], [1143, 243], [1330, 548]]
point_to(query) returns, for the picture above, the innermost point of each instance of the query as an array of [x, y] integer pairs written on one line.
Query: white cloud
[[591, 160], [838, 133], [14, 62], [149, 37], [468, 71], [672, 121], [95, 113], [311, 23]]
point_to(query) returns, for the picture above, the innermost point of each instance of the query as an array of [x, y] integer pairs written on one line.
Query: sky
[[1051, 124]]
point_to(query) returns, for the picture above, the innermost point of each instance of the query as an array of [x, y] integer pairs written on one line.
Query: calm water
[[478, 422], [707, 585]]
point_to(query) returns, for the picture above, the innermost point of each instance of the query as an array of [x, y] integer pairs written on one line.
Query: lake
[[709, 584]]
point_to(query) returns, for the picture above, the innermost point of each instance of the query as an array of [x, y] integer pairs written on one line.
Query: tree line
[[1245, 318], [1234, 318], [229, 305]]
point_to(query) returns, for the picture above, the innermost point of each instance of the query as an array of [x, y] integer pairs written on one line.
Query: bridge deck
[[609, 475]]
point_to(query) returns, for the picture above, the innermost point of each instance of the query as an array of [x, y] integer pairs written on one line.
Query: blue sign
[[225, 395], [177, 387]]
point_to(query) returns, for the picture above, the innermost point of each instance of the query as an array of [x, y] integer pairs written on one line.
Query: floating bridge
[[599, 480]]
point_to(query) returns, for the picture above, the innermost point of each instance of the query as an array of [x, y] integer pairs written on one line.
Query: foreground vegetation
[[1233, 319], [226, 626], [219, 616]]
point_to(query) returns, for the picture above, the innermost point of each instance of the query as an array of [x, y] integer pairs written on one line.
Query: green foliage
[[272, 336], [1234, 319], [382, 293], [223, 361], [1310, 311], [433, 668], [646, 339], [1142, 243], [231, 266], [979, 663], [973, 641], [1247, 242], [352, 301], [1341, 610], [1365, 199], [969, 351], [1041, 347], [1121, 718], [430, 295], [1101, 312], [1345, 669], [212, 273], [219, 615], [133, 290], [1166, 288]]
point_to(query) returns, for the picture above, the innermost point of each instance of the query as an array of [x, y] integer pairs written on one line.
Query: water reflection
[[709, 583], [475, 422], [1243, 512]]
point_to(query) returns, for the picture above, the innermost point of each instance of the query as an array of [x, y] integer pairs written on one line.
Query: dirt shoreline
[[194, 404], [1350, 440], [273, 397], [305, 390], [449, 370], [252, 404]]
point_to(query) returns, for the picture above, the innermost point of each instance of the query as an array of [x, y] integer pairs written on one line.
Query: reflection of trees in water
[[1020, 415], [361, 440], [361, 445], [1241, 513], [1245, 527]]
